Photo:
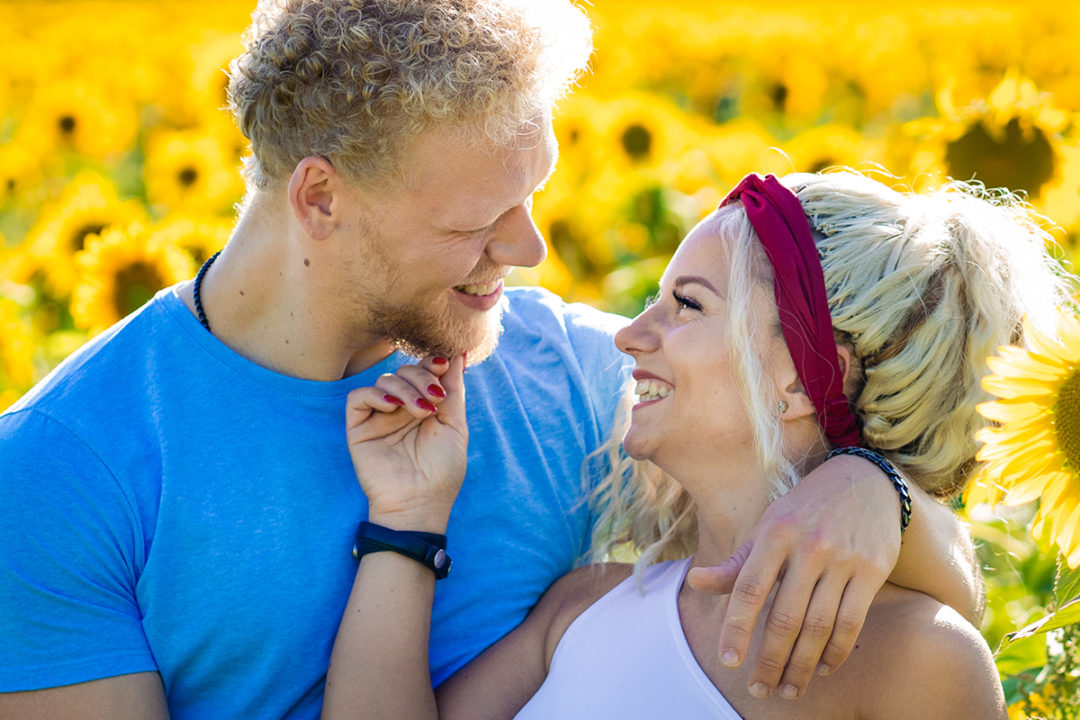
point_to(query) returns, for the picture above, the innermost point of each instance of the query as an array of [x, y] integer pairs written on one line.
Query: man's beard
[[421, 331]]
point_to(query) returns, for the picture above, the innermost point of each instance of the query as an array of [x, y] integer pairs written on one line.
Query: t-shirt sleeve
[[71, 548]]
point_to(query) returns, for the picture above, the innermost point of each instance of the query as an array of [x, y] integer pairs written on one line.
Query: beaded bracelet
[[890, 472]]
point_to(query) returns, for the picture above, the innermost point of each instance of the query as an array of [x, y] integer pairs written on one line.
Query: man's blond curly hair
[[352, 80]]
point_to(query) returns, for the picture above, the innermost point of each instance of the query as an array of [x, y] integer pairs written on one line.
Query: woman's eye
[[685, 302]]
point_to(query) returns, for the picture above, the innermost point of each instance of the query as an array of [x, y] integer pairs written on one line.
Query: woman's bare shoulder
[[573, 593], [916, 657]]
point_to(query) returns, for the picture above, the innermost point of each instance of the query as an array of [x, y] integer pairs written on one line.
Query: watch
[[428, 549]]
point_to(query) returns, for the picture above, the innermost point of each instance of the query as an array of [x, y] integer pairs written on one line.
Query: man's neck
[[264, 302]]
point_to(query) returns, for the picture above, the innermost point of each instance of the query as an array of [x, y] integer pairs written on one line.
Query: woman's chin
[[637, 447]]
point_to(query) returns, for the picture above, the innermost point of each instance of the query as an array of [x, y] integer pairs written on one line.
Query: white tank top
[[626, 657]]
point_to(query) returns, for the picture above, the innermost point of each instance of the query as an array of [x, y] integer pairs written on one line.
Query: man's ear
[[794, 397], [314, 194]]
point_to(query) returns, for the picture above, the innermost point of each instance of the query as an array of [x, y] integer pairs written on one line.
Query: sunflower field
[[119, 176]]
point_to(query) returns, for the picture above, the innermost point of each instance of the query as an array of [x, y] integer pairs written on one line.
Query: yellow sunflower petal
[[1015, 387], [1025, 491], [998, 446], [1020, 410], [1021, 363], [1023, 358], [1041, 343]]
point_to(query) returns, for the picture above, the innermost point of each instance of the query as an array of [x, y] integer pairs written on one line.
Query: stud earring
[[781, 407]]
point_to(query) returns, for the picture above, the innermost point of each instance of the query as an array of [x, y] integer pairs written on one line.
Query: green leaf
[[1067, 614], [1024, 656], [1067, 582]]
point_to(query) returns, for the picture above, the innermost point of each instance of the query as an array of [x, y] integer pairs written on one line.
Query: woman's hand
[[409, 443]]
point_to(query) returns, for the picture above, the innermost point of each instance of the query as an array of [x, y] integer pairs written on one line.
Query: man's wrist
[[899, 484]]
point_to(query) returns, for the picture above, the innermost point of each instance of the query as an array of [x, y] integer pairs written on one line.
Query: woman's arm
[[410, 461], [409, 448]]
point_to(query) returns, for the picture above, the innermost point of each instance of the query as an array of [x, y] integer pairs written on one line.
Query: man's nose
[[516, 240]]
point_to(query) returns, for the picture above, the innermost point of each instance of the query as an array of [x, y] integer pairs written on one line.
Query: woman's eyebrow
[[687, 279]]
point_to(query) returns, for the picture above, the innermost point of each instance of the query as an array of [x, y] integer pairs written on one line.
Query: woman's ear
[[314, 190], [795, 402]]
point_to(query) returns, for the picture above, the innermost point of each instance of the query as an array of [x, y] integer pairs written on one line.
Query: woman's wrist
[[429, 517]]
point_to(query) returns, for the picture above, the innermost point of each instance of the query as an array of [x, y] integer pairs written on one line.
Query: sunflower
[[191, 170], [88, 205], [642, 130], [16, 349], [76, 115], [20, 176], [1011, 139], [121, 270], [200, 237], [830, 145], [1033, 451]]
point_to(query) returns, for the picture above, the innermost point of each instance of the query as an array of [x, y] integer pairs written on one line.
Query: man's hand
[[830, 543]]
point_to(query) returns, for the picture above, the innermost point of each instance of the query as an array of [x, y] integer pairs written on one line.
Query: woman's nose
[[640, 335]]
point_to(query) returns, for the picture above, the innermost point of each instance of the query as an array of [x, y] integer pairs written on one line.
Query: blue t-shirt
[[171, 506]]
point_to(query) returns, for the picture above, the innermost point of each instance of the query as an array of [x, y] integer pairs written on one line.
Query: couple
[[774, 339], [179, 506]]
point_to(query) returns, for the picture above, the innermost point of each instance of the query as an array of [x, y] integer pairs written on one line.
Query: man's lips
[[480, 296]]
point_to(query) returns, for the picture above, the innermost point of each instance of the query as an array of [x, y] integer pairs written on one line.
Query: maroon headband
[[799, 283]]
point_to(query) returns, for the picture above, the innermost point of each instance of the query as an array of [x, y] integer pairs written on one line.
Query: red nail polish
[[436, 390], [393, 400], [425, 405], [439, 360]]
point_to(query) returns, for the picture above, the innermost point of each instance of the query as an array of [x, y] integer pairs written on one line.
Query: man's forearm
[[937, 557]]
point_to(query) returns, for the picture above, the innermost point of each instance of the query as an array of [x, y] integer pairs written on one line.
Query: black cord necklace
[[197, 290]]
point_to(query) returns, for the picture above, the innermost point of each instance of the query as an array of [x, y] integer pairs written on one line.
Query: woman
[[774, 340]]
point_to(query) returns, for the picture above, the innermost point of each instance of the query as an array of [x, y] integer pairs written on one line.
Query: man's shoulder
[[90, 375]]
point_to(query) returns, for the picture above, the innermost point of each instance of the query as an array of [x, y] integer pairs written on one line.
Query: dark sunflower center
[[778, 95], [1016, 160], [66, 123], [78, 239], [637, 141], [187, 176], [1067, 419], [135, 284], [821, 164]]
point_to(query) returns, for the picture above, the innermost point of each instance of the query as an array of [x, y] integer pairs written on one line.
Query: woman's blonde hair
[[922, 289], [351, 80]]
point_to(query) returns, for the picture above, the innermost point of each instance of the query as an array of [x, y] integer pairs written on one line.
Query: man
[[179, 501]]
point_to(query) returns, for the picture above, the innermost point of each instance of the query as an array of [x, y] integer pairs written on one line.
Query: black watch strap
[[428, 549]]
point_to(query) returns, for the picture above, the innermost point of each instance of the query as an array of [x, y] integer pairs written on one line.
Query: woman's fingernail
[[436, 390], [730, 658], [437, 360], [789, 691], [823, 669], [759, 690], [393, 400], [425, 405]]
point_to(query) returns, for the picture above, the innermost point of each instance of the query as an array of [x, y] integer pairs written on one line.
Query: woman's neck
[[730, 494]]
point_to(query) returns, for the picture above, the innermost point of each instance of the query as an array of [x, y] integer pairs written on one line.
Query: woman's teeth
[[485, 289], [652, 390]]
